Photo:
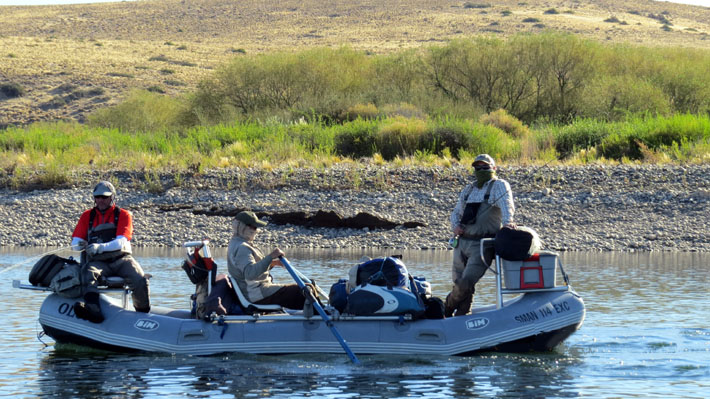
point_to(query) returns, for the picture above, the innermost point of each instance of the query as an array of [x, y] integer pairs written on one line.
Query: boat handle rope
[[221, 322], [40, 334]]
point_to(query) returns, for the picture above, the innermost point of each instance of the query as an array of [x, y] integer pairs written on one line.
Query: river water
[[646, 334]]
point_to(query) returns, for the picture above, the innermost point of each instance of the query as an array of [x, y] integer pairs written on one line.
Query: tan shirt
[[250, 268]]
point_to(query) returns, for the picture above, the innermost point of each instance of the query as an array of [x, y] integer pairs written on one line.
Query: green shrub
[[159, 58], [399, 137], [311, 82], [492, 140], [12, 90], [531, 76], [356, 139], [452, 135], [156, 89], [507, 123], [405, 110], [619, 146], [660, 132], [142, 111], [362, 111], [121, 74], [581, 134], [469, 4], [396, 78], [174, 82], [616, 97]]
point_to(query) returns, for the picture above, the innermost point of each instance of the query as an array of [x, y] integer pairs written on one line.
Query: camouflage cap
[[485, 158]]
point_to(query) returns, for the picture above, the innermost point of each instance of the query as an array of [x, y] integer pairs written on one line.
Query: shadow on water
[[71, 371]]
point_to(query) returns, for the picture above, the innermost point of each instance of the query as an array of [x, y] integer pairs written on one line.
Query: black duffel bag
[[516, 244]]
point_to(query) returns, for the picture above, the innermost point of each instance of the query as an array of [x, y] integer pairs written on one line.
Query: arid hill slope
[[71, 59]]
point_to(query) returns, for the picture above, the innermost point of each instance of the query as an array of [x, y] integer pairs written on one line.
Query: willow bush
[[547, 77]]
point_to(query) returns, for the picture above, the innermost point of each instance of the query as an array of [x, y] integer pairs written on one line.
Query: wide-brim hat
[[485, 158], [250, 219]]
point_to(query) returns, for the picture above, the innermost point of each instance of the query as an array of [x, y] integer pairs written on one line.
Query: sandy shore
[[587, 208]]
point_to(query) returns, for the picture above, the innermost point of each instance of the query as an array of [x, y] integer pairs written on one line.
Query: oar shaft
[[320, 310]]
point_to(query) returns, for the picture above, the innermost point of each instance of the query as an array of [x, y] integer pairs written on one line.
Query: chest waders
[[480, 219], [103, 233]]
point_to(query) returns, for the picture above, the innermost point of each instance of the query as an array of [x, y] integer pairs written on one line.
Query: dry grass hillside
[[68, 60]]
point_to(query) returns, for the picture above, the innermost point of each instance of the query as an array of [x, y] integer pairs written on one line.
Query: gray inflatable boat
[[538, 316]]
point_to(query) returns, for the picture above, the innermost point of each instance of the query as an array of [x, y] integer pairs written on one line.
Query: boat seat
[[116, 283], [251, 307]]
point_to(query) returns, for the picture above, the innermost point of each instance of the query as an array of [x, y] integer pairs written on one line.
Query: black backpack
[[46, 268]]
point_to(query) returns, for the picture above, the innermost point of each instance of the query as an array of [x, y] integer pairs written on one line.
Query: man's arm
[[502, 196]]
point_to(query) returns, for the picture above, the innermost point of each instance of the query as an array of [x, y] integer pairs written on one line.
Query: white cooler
[[538, 271]]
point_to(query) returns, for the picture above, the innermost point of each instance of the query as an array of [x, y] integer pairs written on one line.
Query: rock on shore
[[573, 208]]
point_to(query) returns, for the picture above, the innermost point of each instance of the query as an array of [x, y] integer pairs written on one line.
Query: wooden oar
[[320, 310]]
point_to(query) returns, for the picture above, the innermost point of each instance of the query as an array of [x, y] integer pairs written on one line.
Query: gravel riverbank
[[573, 208]]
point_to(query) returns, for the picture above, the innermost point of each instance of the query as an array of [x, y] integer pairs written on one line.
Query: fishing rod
[[16, 265]]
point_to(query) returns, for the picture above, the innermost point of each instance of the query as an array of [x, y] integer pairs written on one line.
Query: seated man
[[250, 268], [104, 234]]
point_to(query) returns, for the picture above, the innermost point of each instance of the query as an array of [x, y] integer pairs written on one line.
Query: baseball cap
[[485, 158], [250, 219], [104, 188]]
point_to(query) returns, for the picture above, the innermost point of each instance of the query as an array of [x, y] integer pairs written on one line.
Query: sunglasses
[[101, 196], [482, 167]]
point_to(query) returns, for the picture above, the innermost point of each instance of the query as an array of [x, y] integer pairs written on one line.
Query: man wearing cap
[[104, 234], [483, 207], [250, 268]]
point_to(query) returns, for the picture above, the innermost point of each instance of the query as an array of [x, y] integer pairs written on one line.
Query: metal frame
[[500, 291], [123, 290]]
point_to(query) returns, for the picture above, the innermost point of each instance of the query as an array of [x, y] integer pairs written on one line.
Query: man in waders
[[483, 207], [104, 234]]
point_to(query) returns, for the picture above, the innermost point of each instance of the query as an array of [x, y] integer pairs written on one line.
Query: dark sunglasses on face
[[101, 196], [482, 167]]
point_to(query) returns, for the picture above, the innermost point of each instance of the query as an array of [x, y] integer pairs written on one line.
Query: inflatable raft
[[538, 316]]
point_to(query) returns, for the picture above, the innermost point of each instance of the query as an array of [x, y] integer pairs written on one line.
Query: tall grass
[[55, 149]]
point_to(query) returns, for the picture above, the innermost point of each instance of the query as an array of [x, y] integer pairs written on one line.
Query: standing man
[[104, 234], [483, 207]]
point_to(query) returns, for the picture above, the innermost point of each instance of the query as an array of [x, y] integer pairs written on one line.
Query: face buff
[[482, 176]]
